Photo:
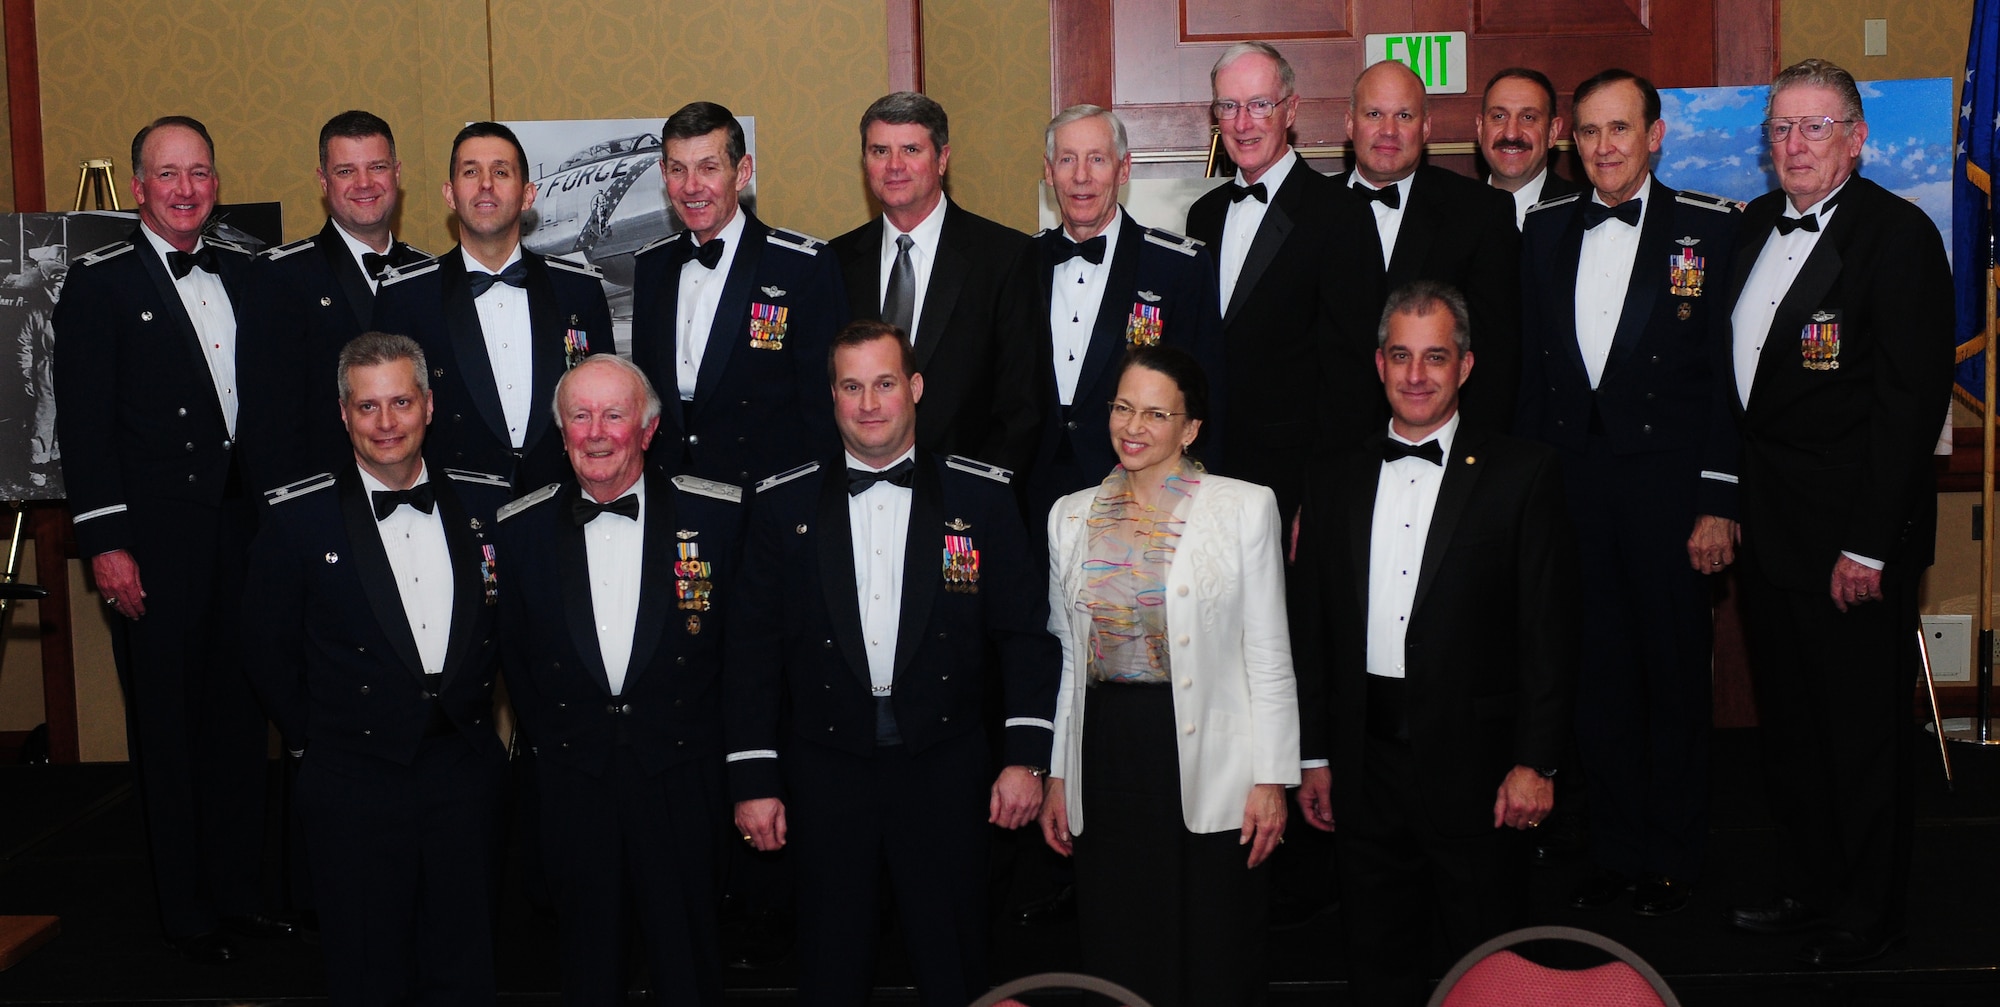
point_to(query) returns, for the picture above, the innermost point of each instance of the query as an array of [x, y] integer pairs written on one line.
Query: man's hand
[[1854, 583], [1263, 821], [1525, 798], [1712, 544], [117, 575], [1017, 797], [1316, 798], [1055, 819], [762, 822]]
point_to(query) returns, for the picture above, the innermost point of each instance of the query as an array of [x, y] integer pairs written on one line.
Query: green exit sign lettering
[[1437, 57]]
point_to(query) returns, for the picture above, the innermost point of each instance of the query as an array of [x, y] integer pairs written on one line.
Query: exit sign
[[1437, 57]]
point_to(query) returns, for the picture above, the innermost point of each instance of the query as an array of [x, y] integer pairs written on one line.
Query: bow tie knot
[[584, 509], [515, 275], [183, 263], [1388, 195], [421, 496], [859, 480], [376, 264], [1430, 451], [1091, 249], [1786, 225], [1239, 193], [1595, 213], [708, 253]]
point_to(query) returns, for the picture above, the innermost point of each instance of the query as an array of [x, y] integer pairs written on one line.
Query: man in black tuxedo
[[374, 625], [314, 295], [1298, 299], [1435, 577], [145, 383], [732, 317], [1517, 129], [1623, 348], [1107, 283], [1434, 224], [892, 586], [498, 323], [1841, 357], [614, 642], [954, 281]]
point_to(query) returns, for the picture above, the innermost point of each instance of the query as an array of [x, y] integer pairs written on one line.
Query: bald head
[[1388, 123]]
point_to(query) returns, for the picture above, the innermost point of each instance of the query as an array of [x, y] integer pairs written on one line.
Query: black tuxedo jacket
[[797, 657], [431, 303], [760, 405], [669, 709], [336, 662], [1299, 329], [138, 417], [1555, 186], [1490, 653], [1161, 289], [1662, 387], [1838, 458], [308, 301], [1459, 231], [975, 335]]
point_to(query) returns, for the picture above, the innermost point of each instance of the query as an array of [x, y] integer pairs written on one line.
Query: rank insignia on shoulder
[[294, 490], [1556, 201], [979, 468], [787, 476], [797, 242], [276, 252], [97, 255], [1167, 239], [577, 266], [526, 502], [710, 488], [397, 274], [1707, 201], [657, 242], [477, 478], [228, 246]]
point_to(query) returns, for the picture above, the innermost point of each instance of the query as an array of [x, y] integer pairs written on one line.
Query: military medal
[[1819, 342], [576, 346], [489, 575], [1684, 311], [1142, 327], [961, 565], [1685, 270], [694, 625], [768, 325], [693, 582]]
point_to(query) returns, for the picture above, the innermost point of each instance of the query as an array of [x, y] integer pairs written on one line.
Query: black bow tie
[[1809, 222], [1091, 249], [708, 253], [584, 510], [481, 281], [1595, 213], [420, 496], [1430, 451], [1388, 195], [1239, 193], [858, 480], [182, 263], [376, 263]]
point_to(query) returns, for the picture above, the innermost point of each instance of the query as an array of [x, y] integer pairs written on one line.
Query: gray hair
[[373, 349], [1078, 113], [906, 108], [1420, 299], [1819, 73], [1288, 80], [651, 411]]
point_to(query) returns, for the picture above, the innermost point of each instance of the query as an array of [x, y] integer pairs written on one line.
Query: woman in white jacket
[[1166, 588]]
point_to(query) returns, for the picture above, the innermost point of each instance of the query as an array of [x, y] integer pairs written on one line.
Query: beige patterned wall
[[1926, 37], [987, 62]]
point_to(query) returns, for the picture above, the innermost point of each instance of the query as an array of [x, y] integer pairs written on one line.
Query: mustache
[[1512, 145]]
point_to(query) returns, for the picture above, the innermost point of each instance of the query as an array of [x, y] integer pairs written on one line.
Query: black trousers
[[1172, 915]]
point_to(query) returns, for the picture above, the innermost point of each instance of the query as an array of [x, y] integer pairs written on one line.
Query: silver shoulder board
[[526, 502], [397, 274], [979, 468], [111, 251], [787, 476], [276, 252], [1167, 239], [294, 490], [1557, 201], [477, 478], [227, 245], [1046, 231], [710, 488], [794, 240], [657, 242], [1707, 201], [574, 266]]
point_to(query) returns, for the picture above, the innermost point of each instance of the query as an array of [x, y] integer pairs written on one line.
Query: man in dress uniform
[[374, 625], [314, 295], [1434, 224], [1841, 350], [1517, 129], [498, 323], [953, 281], [1622, 348], [613, 630], [732, 317], [145, 383], [891, 585]]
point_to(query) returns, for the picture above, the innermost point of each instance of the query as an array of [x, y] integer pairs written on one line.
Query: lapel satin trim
[[923, 565], [727, 328], [656, 600], [170, 301], [545, 346], [378, 579], [836, 569], [1815, 280], [468, 344], [949, 267], [1656, 242], [573, 573], [468, 591], [1461, 473], [1271, 234], [1569, 262], [1421, 225], [1107, 335], [1362, 484], [347, 273]]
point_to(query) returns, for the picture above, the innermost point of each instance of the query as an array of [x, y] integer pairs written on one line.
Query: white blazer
[[1231, 653]]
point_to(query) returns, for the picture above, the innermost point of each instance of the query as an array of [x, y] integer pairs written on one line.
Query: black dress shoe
[[1057, 908], [1657, 895], [757, 941], [1602, 888], [1837, 948], [259, 926], [1781, 915], [211, 948]]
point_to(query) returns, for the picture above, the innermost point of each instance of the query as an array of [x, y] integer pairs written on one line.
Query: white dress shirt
[[1388, 222], [421, 563], [1526, 196], [1244, 216], [1603, 272], [614, 548], [879, 519], [504, 324], [357, 248], [923, 253], [207, 304], [700, 295], [1076, 292], [1406, 496]]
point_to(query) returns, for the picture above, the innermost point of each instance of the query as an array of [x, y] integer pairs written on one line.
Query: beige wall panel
[[1926, 37], [987, 62]]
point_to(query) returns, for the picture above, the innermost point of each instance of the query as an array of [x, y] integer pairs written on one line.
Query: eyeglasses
[[1154, 417], [1812, 127], [1259, 108]]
